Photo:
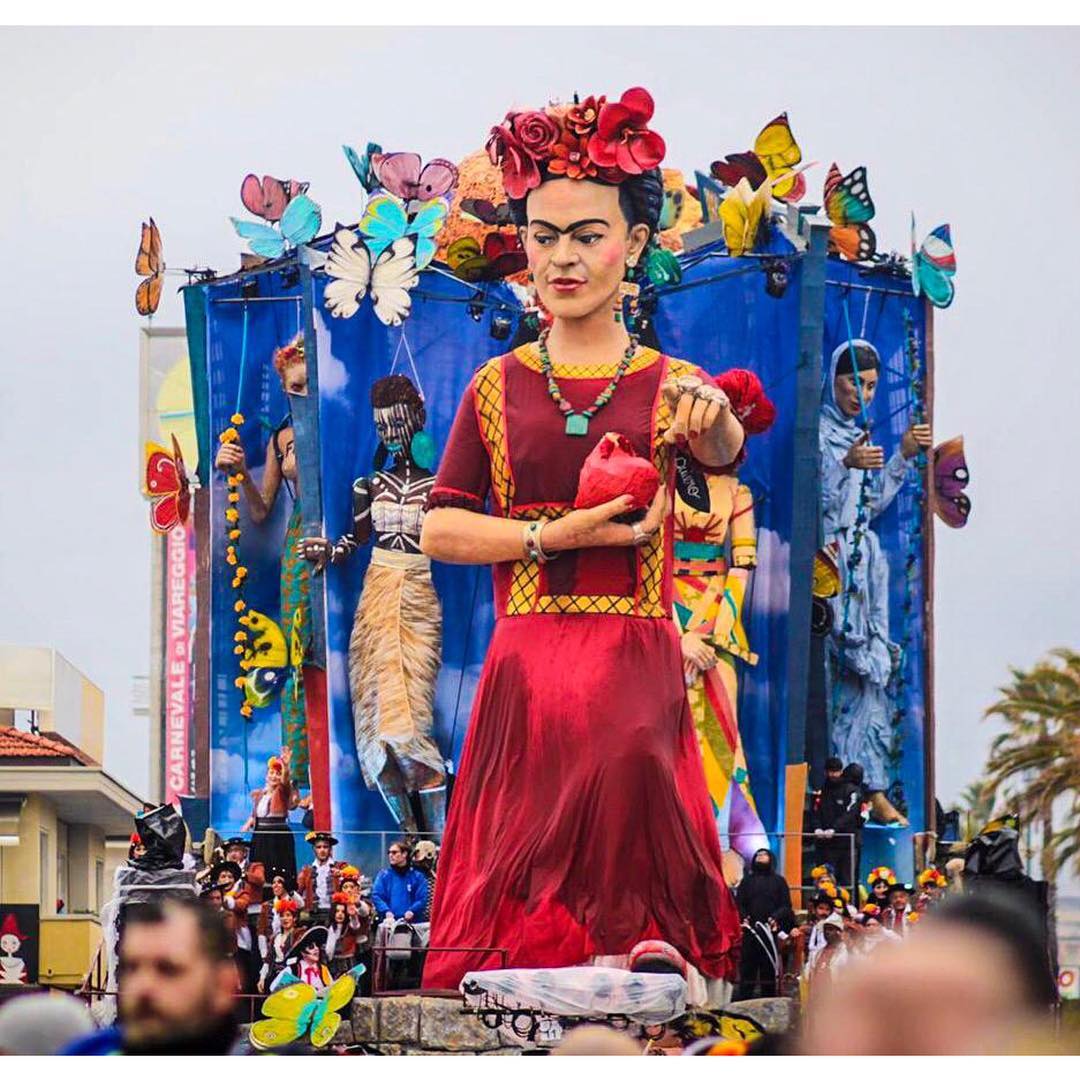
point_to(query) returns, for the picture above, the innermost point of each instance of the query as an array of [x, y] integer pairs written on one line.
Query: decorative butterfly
[[388, 279], [401, 175], [362, 165], [149, 265], [298, 1009], [386, 219], [950, 478], [744, 213], [774, 157], [270, 655], [167, 484], [299, 224], [501, 256], [268, 198], [486, 212], [933, 266], [849, 207]]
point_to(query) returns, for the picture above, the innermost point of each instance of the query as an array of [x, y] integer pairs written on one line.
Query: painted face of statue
[[578, 244], [294, 379], [396, 425], [9, 944], [847, 394]]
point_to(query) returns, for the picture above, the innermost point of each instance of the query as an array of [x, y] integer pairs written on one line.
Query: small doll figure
[[306, 962], [12, 967], [272, 840], [396, 642], [136, 849]]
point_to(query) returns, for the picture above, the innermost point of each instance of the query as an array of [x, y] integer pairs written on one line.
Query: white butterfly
[[388, 281]]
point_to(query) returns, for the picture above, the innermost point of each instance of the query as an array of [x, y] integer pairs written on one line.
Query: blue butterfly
[[387, 219], [933, 266], [299, 225], [362, 166]]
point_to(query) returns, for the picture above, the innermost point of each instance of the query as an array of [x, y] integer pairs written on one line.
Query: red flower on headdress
[[516, 145], [340, 898], [570, 158], [581, 119], [622, 140]]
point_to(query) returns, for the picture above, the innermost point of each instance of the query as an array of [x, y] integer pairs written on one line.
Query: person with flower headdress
[[280, 943], [349, 940], [581, 745], [272, 844], [898, 908], [931, 884], [878, 881], [715, 551]]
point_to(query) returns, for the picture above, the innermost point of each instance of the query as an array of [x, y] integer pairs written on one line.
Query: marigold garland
[[232, 556]]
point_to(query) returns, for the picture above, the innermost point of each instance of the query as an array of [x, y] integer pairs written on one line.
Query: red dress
[[580, 822]]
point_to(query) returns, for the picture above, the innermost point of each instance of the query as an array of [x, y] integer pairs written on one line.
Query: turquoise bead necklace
[[577, 423]]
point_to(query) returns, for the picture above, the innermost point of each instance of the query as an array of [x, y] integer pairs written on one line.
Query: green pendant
[[577, 424]]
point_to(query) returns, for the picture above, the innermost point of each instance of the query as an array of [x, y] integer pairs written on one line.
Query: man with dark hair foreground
[[973, 980], [176, 985]]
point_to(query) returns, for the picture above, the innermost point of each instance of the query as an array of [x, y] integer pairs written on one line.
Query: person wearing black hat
[[895, 916], [306, 960], [319, 880], [837, 811]]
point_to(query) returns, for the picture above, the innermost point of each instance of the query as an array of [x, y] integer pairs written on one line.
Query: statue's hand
[[695, 406], [316, 549]]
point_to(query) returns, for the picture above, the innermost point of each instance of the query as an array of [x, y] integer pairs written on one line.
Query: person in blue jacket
[[400, 891]]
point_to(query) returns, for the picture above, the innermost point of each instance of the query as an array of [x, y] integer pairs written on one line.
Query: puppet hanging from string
[[396, 642], [279, 470], [857, 486]]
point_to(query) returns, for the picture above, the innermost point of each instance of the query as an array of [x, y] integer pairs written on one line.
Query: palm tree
[[1035, 763], [976, 807]]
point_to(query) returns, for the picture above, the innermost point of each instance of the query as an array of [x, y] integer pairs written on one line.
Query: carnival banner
[[178, 669]]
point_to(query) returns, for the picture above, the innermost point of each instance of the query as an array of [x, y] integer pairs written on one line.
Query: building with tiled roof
[[58, 808]]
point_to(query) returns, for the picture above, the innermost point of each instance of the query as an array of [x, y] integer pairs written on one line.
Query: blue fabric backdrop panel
[[722, 318], [448, 342], [874, 306], [241, 376]]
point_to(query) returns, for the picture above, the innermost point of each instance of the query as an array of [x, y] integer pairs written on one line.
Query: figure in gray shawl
[[858, 484]]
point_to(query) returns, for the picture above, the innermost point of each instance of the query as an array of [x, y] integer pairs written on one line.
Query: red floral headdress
[[275, 764], [932, 876], [340, 898], [348, 873], [286, 903], [592, 139]]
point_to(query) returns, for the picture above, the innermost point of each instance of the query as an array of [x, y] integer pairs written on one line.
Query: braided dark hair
[[641, 199]]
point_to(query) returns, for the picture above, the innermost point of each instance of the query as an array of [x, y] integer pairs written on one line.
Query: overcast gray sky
[[103, 127]]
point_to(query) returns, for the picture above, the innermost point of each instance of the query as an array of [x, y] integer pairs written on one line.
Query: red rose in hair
[[581, 119], [622, 139], [535, 131], [570, 158], [519, 169]]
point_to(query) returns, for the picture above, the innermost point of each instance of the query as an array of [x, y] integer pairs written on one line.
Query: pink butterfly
[[401, 175], [950, 478], [267, 198]]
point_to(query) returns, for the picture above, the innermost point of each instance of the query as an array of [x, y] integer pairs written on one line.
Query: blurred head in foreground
[[41, 1024], [595, 1040], [973, 980], [176, 981]]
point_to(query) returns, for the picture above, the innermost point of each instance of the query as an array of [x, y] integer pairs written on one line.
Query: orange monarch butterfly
[[167, 485], [150, 266]]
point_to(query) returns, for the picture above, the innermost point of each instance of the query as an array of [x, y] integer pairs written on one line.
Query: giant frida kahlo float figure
[[396, 640], [715, 553], [857, 485], [580, 823]]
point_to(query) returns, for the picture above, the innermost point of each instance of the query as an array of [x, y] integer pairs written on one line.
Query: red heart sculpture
[[613, 469]]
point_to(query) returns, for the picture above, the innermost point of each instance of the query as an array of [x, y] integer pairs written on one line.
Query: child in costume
[[349, 940], [306, 961], [280, 943]]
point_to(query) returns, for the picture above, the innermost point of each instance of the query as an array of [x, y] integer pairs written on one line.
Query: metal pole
[[806, 482]]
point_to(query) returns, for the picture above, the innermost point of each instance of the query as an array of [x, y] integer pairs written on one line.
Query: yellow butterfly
[[743, 212], [298, 1009]]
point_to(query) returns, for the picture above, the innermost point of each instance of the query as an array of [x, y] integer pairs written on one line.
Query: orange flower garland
[[232, 557]]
